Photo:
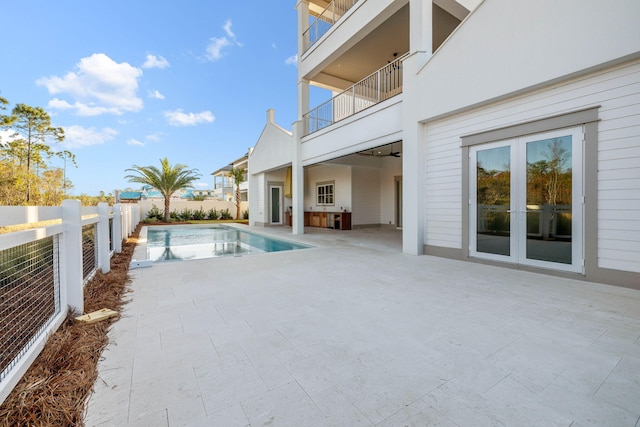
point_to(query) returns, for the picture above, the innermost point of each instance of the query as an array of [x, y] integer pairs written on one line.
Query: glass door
[[398, 182], [526, 200], [276, 203]]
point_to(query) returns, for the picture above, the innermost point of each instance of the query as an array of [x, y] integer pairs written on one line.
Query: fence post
[[104, 260], [117, 228], [72, 250]]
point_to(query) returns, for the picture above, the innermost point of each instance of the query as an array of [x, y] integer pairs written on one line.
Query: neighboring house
[[149, 193], [129, 196], [224, 187], [270, 177], [507, 134]]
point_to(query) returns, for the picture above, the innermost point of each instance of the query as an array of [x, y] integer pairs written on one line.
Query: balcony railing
[[373, 89], [321, 24]]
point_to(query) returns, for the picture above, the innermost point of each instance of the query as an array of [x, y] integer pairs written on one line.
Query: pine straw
[[54, 390]]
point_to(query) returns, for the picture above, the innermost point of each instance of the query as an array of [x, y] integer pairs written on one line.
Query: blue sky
[[134, 81]]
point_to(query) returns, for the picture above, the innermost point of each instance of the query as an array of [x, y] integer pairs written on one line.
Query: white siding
[[366, 196], [259, 216], [617, 92]]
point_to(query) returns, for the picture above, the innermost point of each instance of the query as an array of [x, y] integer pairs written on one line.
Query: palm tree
[[238, 177], [166, 180]]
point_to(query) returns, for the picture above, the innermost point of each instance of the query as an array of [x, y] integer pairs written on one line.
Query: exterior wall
[[274, 149], [365, 188], [530, 44], [375, 126], [179, 205], [617, 92], [340, 175], [268, 161], [257, 206]]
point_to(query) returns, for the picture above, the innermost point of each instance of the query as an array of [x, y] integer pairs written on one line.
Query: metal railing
[[373, 89], [325, 20], [43, 271], [29, 297], [89, 251]]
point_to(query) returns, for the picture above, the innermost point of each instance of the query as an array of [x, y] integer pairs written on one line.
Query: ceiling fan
[[377, 153]]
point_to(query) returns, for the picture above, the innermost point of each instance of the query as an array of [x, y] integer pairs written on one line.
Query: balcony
[[325, 20], [373, 89]]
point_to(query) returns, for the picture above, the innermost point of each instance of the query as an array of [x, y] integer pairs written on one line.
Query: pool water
[[174, 243]]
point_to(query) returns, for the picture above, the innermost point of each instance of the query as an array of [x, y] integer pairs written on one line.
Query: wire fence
[[29, 297], [43, 270], [89, 250]]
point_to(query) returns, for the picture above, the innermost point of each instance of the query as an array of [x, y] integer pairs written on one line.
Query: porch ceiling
[[372, 52]]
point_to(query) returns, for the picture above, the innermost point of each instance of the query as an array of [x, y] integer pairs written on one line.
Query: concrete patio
[[353, 333]]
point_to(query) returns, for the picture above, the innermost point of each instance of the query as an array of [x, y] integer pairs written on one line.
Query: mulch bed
[[55, 389]]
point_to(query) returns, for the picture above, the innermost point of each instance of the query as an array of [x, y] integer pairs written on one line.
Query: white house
[[223, 184], [503, 131], [270, 176]]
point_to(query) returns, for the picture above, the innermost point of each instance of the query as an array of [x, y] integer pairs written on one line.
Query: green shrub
[[213, 214], [245, 214], [225, 214], [174, 216], [199, 214], [185, 215], [155, 213]]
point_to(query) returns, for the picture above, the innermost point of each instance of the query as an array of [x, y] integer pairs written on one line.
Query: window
[[324, 194]]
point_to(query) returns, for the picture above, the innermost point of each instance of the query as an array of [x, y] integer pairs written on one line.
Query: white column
[[303, 23], [117, 228], [104, 260], [297, 182], [413, 161], [421, 26], [71, 250]]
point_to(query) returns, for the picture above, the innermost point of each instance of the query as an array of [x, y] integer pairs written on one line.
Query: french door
[[526, 200]]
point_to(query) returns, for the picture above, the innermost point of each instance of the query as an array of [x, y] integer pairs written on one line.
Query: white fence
[[180, 205], [43, 271]]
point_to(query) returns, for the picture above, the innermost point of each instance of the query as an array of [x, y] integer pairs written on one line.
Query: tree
[[167, 180], [32, 128], [238, 175]]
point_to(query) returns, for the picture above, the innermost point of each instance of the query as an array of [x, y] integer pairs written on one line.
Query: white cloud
[[154, 137], [292, 60], [155, 94], [80, 136], [154, 61], [214, 49], [217, 44], [201, 185], [227, 29], [178, 118], [134, 141], [99, 85], [6, 136]]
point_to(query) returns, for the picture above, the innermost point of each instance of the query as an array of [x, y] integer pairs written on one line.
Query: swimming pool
[[180, 242]]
